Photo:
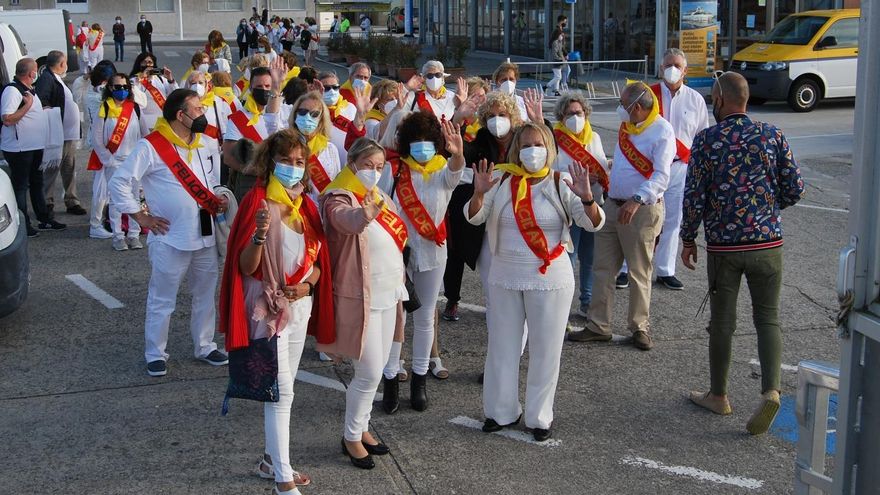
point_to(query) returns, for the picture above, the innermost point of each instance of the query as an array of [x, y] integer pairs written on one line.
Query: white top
[[657, 143], [329, 158], [30, 132], [515, 267], [434, 196], [71, 120], [278, 121], [218, 116], [103, 129], [444, 108], [521, 105], [234, 134], [564, 160], [337, 137], [166, 198], [152, 111], [372, 126], [93, 104], [386, 272], [686, 111]]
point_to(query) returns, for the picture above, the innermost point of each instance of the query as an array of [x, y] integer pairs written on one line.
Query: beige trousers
[[614, 244]]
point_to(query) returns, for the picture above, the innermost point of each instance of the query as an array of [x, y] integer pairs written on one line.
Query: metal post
[[180, 16], [662, 30], [474, 13], [731, 30], [407, 19], [444, 19], [508, 28], [571, 28], [548, 21], [598, 29]]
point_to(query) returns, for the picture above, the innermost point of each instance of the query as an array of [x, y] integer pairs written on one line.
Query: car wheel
[[804, 95]]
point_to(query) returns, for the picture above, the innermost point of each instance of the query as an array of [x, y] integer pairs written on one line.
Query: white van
[[43, 30], [11, 51]]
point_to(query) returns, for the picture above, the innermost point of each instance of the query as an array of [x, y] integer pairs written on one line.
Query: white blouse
[[386, 272]]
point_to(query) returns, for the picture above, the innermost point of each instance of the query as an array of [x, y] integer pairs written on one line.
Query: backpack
[[81, 40], [305, 38]]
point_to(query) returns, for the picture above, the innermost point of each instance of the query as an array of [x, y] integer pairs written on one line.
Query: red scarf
[[233, 312]]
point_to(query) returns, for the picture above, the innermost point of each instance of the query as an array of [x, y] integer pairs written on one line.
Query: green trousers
[[763, 271]]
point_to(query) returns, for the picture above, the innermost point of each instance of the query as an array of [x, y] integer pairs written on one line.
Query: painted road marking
[[823, 208], [814, 136], [517, 435], [171, 54], [692, 472], [785, 367], [786, 425], [96, 292], [323, 381]]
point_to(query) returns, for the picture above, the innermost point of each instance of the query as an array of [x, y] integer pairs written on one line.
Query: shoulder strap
[[107, 110]]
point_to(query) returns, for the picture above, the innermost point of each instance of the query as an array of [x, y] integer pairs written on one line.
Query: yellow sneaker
[[707, 401], [763, 417]]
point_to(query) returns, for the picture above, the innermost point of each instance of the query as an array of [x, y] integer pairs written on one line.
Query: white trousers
[[276, 415], [427, 286], [547, 314], [100, 198], [134, 229], [484, 264], [666, 253], [554, 83], [368, 372], [96, 56], [169, 265], [392, 367]]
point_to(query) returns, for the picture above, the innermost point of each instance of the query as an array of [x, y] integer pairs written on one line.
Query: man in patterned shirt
[[740, 176]]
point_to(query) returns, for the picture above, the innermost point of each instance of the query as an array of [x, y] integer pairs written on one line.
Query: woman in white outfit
[[428, 92], [118, 101], [276, 247], [527, 212], [96, 45], [94, 96], [156, 83]]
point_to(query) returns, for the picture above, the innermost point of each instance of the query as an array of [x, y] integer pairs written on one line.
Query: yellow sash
[[165, 130], [276, 192], [518, 171], [251, 106], [636, 129]]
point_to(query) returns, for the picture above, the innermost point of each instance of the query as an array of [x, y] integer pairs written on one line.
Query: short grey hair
[[358, 66], [54, 58], [638, 92], [326, 75], [567, 99], [676, 52], [433, 63]]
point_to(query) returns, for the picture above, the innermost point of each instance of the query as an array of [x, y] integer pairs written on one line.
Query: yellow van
[[806, 57]]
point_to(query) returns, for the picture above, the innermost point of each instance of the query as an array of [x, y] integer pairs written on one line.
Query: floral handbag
[[253, 372]]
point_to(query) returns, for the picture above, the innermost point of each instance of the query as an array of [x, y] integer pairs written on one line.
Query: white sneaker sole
[[215, 363], [157, 373]]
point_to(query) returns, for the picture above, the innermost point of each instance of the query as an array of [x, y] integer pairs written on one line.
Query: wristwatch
[[638, 199], [588, 203]]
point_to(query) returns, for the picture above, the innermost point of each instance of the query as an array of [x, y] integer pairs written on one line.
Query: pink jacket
[[345, 227]]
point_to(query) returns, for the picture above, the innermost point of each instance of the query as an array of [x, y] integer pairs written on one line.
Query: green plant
[[458, 48], [348, 45], [442, 55], [334, 44], [407, 53], [385, 48]]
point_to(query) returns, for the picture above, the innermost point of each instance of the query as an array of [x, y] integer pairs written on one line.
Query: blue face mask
[[422, 151], [331, 97], [120, 94], [288, 175], [306, 123]]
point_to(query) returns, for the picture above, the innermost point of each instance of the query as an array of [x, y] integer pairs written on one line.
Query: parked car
[[397, 19], [14, 265], [807, 57], [11, 51], [44, 30]]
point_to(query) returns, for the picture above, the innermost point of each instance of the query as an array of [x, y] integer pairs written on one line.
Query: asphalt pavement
[[80, 415]]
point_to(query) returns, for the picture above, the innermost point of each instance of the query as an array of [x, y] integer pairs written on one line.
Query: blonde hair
[[475, 83], [383, 89], [196, 59], [505, 101], [364, 147], [323, 121], [504, 68], [546, 135], [281, 143], [221, 79]]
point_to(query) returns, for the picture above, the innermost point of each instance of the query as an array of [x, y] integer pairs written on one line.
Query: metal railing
[[816, 382], [602, 79]]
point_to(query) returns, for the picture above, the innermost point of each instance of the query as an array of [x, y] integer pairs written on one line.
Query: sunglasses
[[331, 88], [117, 87], [433, 75], [314, 113]]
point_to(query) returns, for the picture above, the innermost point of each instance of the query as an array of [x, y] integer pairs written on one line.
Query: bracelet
[[258, 241], [588, 203]]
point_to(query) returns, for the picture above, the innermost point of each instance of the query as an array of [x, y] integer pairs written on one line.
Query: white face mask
[[389, 106], [498, 126], [434, 84], [203, 68], [369, 178], [622, 113], [198, 88], [672, 75], [575, 123], [508, 87], [359, 84], [533, 159]]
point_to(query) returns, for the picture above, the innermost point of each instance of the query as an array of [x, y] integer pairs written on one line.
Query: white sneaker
[[134, 243], [120, 245], [99, 233]]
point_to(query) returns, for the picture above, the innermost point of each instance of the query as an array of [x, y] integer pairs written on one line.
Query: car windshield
[[796, 30]]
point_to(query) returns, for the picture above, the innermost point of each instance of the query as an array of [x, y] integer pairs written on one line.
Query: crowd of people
[[332, 208]]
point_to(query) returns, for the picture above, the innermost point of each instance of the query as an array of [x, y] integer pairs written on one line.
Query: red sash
[[97, 42], [247, 131], [415, 210], [154, 92], [391, 222], [582, 156], [190, 182], [348, 95], [240, 85], [117, 136], [681, 151], [341, 122], [529, 228], [393, 159], [317, 173], [212, 132], [312, 247], [639, 161], [424, 104]]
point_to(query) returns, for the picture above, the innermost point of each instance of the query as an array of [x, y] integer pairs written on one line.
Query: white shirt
[[329, 158], [278, 121], [521, 105], [337, 137], [386, 272], [93, 104], [152, 111], [372, 126], [166, 197], [444, 108], [218, 116], [564, 160], [657, 143], [103, 128], [234, 134], [434, 196], [71, 120], [686, 111], [29, 133]]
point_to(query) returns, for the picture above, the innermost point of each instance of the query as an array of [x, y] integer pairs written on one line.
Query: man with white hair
[[434, 98], [358, 77], [685, 109], [634, 211]]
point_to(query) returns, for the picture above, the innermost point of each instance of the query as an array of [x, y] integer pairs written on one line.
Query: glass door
[[490, 25]]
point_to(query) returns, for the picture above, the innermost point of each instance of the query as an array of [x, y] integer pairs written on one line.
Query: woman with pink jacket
[[365, 238]]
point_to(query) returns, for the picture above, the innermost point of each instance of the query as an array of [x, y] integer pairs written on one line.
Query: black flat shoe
[[390, 395], [362, 463], [541, 434], [378, 449], [491, 426]]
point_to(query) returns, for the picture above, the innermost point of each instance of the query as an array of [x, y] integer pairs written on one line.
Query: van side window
[[846, 32]]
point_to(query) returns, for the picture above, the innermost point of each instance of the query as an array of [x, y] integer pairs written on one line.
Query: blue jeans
[[119, 49], [584, 246]]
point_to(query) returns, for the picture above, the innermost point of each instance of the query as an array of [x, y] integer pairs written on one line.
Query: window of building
[[846, 32], [73, 6], [225, 5], [157, 5], [288, 5]]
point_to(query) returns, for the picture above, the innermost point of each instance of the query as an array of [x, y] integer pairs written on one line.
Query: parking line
[[823, 208], [96, 292], [171, 54], [519, 436], [323, 381], [785, 367], [814, 136], [692, 472]]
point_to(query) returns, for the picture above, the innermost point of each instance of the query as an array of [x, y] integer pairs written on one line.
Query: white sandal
[[402, 375], [437, 369]]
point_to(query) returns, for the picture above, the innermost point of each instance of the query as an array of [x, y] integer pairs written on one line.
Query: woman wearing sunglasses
[[116, 131], [528, 211], [428, 92], [155, 82], [311, 117], [276, 284], [342, 112]]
